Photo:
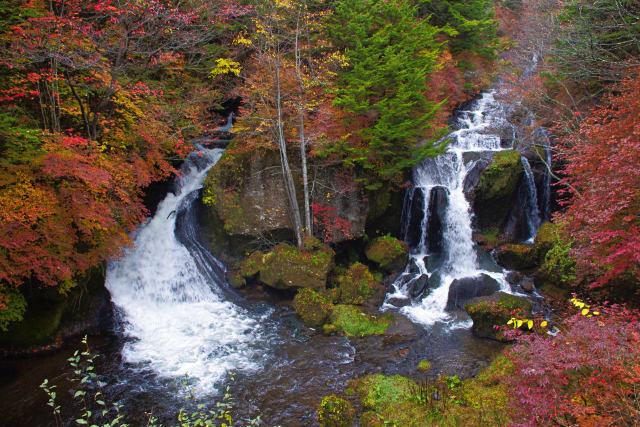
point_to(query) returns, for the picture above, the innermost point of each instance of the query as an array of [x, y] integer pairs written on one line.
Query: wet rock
[[486, 261], [480, 161], [496, 310], [419, 285], [413, 267], [527, 284], [415, 208], [462, 290], [495, 193], [433, 262], [435, 280], [438, 203], [513, 277], [516, 256]]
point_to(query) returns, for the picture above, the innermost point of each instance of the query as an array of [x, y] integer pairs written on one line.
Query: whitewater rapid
[[172, 312]]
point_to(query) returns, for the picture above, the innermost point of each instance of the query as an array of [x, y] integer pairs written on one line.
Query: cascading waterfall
[[446, 173], [171, 304], [532, 211]]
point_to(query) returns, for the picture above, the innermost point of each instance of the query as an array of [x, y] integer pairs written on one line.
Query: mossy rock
[[545, 239], [289, 267], [355, 323], [358, 285], [496, 190], [496, 310], [517, 256], [388, 252], [312, 307], [424, 366], [334, 411]]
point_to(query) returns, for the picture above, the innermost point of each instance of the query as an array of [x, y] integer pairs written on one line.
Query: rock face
[[245, 195], [462, 290], [495, 193], [438, 202], [496, 310]]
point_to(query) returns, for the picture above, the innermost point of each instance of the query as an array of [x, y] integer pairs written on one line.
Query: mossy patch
[[424, 366], [312, 307], [545, 238], [517, 256], [388, 252], [357, 285], [334, 411], [447, 401], [354, 323]]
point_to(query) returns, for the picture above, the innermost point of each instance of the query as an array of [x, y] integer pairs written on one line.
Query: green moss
[[357, 285], [335, 412], [517, 256], [16, 305], [40, 324], [388, 252], [545, 238], [399, 401], [424, 366], [312, 307], [501, 178], [354, 323]]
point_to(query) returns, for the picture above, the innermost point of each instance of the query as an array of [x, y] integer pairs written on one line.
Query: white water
[[172, 313], [532, 212], [476, 134]]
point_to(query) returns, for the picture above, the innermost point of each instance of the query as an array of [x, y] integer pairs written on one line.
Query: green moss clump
[[496, 309], [354, 323], [388, 252], [312, 307], [501, 178], [15, 307], [424, 366], [335, 412], [545, 238], [517, 256], [357, 285]]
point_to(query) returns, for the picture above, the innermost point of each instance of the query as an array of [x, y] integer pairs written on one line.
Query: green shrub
[[335, 412]]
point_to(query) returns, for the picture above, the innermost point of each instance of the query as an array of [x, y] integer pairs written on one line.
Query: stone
[[513, 277], [527, 284], [463, 290], [435, 280], [516, 256], [358, 286], [496, 310], [419, 286], [334, 411], [438, 203], [388, 252], [494, 195], [312, 307]]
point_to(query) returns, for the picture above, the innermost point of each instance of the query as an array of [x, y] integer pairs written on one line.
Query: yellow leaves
[[225, 66], [585, 309], [242, 40], [543, 324]]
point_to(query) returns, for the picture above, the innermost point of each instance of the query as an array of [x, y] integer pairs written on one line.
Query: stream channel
[[175, 315]]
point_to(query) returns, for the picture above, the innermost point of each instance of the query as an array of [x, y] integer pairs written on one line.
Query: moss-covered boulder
[[313, 308], [355, 323], [545, 239], [358, 286], [517, 256], [288, 267], [496, 310], [334, 411], [495, 193], [424, 366], [388, 252]]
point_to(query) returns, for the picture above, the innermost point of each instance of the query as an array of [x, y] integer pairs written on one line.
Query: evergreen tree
[[391, 54]]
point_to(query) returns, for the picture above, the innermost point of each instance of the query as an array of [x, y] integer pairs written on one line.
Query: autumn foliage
[[603, 178]]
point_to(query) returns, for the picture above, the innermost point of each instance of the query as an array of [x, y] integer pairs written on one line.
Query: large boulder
[[359, 287], [388, 252], [438, 203], [487, 312], [545, 239], [289, 267], [496, 190], [517, 256], [462, 290]]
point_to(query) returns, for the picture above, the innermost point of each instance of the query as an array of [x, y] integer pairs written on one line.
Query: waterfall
[[170, 297], [476, 134], [532, 211]]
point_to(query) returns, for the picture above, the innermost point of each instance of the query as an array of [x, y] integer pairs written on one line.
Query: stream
[[177, 320]]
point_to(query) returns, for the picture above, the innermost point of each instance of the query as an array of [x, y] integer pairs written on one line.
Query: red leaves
[[602, 172]]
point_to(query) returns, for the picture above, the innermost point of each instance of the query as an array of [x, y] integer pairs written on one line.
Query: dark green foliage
[[391, 54], [473, 21]]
